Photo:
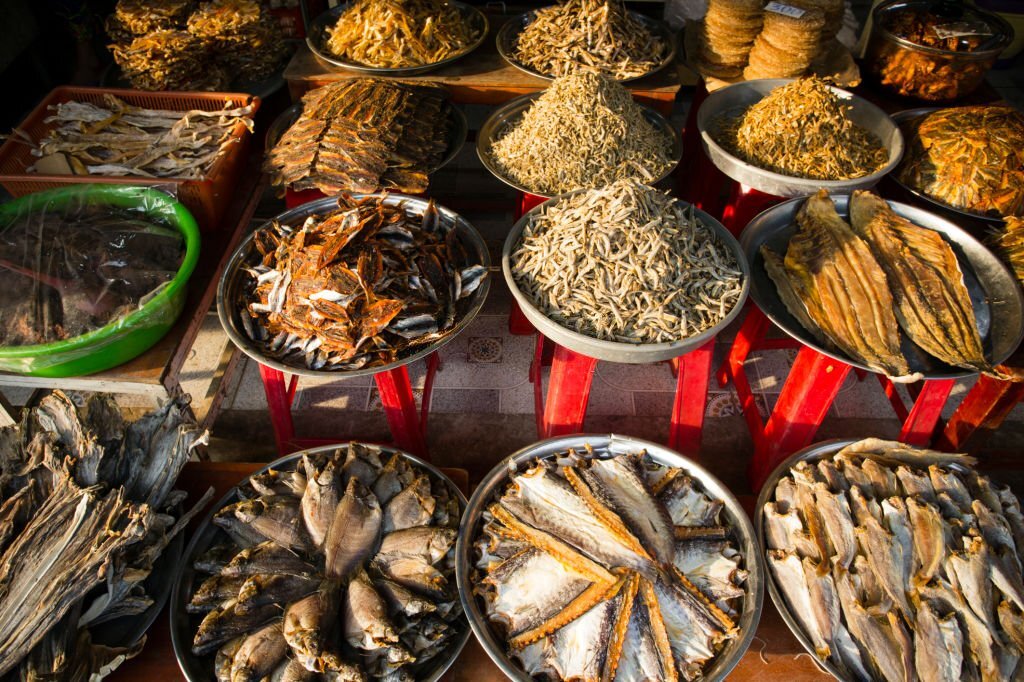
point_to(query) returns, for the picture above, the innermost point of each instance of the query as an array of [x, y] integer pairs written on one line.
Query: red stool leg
[[400, 410], [750, 336], [902, 413], [279, 405], [568, 392], [743, 205], [985, 406], [919, 426], [692, 380]]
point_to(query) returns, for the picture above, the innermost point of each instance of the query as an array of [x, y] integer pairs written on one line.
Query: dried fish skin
[[938, 645], [354, 532]]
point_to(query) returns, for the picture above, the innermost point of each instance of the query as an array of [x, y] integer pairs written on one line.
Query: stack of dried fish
[[589, 35], [609, 569], [246, 40], [400, 33], [586, 130], [971, 158], [132, 18], [168, 60], [358, 287], [804, 130], [87, 507], [855, 285], [342, 566], [364, 134], [901, 564], [626, 263], [116, 138]]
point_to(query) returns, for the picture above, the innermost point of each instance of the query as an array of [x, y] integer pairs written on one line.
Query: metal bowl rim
[[490, 483], [518, 107], [232, 493], [992, 19], [248, 347]]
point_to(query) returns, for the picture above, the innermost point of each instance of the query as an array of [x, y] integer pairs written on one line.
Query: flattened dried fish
[[259, 654], [354, 532], [938, 645], [428, 543]]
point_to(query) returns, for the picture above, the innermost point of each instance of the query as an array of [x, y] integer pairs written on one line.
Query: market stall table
[[775, 651]]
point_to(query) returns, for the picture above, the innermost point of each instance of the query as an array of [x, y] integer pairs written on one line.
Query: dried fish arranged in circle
[[579, 571], [626, 263]]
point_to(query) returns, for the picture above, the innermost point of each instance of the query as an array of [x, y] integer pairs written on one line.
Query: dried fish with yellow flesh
[[929, 539], [932, 303], [838, 522], [580, 649], [713, 566], [642, 658], [938, 645]]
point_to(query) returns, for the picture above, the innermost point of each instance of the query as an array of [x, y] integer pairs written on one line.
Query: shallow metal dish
[[995, 294], [184, 624], [457, 138], [603, 444], [508, 36], [509, 115], [733, 99], [614, 351], [316, 39], [231, 279]]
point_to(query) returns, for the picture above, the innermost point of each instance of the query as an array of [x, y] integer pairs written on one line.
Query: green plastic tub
[[128, 336]]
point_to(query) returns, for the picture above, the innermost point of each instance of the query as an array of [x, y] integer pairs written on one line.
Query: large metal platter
[[457, 138], [995, 294], [231, 280], [614, 351], [508, 36], [184, 624], [510, 114], [316, 39], [607, 444], [733, 99]]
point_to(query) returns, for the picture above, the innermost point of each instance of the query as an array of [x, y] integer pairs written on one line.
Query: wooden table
[[482, 77], [779, 657]]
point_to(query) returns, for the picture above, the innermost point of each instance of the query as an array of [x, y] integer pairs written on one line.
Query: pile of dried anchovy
[[626, 263], [584, 131], [358, 287], [589, 35], [803, 130]]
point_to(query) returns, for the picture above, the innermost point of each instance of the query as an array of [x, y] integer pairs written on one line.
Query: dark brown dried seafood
[[168, 60], [1009, 242], [245, 39]]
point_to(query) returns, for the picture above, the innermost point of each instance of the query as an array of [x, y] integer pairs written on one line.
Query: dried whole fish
[[581, 598], [626, 263], [585, 130], [245, 39], [931, 593], [367, 601], [598, 36]]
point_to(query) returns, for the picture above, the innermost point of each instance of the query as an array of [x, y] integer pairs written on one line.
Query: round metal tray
[[459, 132], [606, 444], [614, 351], [508, 36], [510, 114], [184, 624], [316, 39], [733, 99], [995, 294]]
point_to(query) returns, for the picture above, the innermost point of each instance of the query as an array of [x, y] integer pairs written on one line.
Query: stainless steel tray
[[232, 278], [184, 624], [508, 36], [509, 115], [733, 99], [316, 39], [995, 294], [614, 351], [604, 444]]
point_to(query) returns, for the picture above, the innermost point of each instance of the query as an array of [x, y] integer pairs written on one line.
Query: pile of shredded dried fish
[[400, 33], [116, 138], [589, 35], [338, 564], [86, 508], [357, 287], [901, 564], [609, 567], [804, 130], [626, 263], [586, 130], [245, 39]]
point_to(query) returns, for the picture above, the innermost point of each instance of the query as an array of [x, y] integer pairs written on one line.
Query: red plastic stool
[[699, 181], [294, 199], [984, 407], [743, 205], [518, 325], [569, 391], [408, 425]]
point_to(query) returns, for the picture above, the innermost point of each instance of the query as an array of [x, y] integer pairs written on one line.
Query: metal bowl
[[509, 115], [316, 39], [184, 624], [459, 131], [508, 36], [232, 278], [995, 294], [614, 351], [732, 100], [603, 444]]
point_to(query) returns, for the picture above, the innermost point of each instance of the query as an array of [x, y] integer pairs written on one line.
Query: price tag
[[787, 10]]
